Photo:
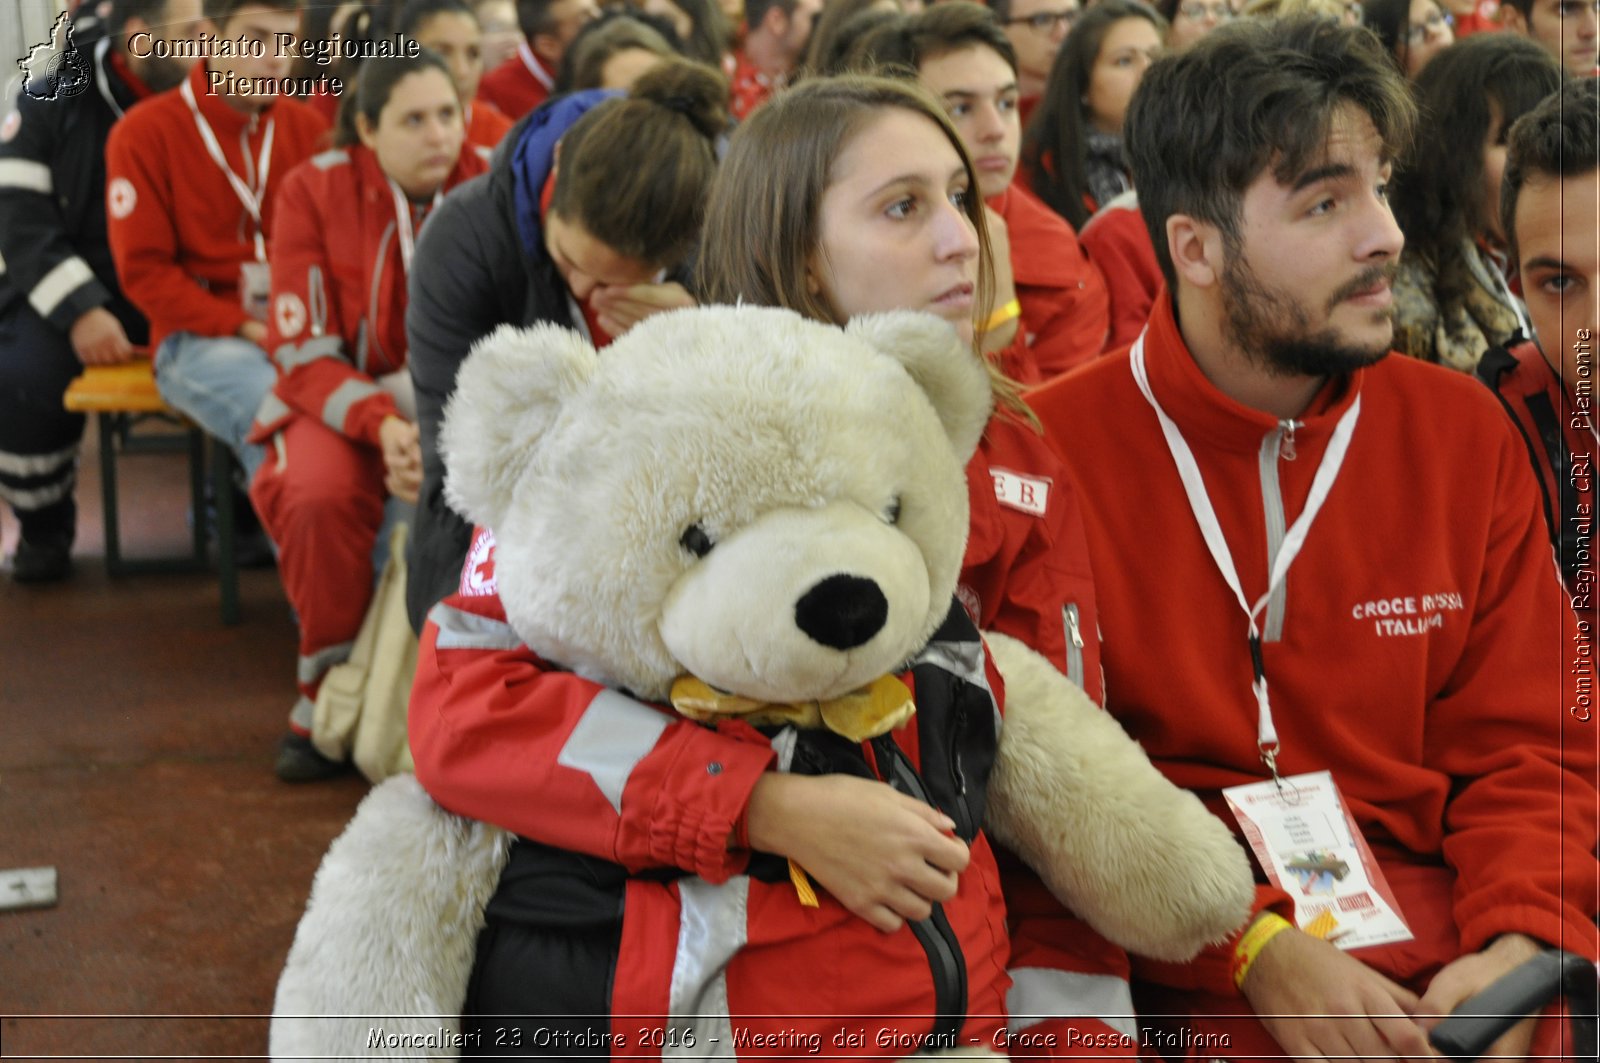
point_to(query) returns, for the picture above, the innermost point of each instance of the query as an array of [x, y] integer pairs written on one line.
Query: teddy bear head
[[773, 505]]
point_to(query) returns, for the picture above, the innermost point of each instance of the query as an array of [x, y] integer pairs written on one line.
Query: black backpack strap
[[1544, 418], [1492, 368]]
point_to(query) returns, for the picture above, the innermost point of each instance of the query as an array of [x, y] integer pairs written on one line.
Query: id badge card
[[255, 288], [1312, 850]]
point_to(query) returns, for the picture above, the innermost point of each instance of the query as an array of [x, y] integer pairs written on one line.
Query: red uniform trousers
[[320, 495]]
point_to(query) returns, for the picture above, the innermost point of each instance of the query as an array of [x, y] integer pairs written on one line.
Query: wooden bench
[[119, 396]]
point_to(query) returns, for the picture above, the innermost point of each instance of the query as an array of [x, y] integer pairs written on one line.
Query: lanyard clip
[[1269, 757]]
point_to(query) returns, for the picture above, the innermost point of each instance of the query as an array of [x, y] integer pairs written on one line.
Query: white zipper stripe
[[1272, 505]]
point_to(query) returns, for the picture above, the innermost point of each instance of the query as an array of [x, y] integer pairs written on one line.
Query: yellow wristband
[[1002, 315], [1263, 930]]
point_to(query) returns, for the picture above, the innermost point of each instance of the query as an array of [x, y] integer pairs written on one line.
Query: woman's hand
[[886, 857], [402, 457], [620, 308]]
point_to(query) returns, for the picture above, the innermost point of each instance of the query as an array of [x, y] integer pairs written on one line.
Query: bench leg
[[109, 424], [197, 495], [222, 465]]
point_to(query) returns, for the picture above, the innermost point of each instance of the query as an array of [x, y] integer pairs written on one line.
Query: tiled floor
[[136, 743]]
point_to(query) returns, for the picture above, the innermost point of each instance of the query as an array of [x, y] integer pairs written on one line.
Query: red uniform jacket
[[553, 742], [178, 231], [1063, 296], [748, 87], [339, 291], [486, 126], [1417, 650], [1118, 242], [517, 85]]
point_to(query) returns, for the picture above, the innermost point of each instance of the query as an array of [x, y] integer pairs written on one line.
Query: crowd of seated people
[[1219, 244]]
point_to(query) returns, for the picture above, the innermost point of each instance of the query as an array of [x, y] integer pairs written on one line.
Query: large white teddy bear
[[777, 508]]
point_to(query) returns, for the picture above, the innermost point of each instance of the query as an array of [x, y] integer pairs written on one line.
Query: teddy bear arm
[[1142, 861], [390, 930], [500, 736]]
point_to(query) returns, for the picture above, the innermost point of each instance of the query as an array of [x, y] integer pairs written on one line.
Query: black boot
[[44, 550], [300, 761]]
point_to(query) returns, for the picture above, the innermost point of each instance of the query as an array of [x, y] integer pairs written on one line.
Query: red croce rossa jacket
[[338, 321]]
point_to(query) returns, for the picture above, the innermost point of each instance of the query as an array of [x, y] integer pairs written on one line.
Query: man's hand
[[620, 308], [1005, 286], [1467, 976], [885, 856], [402, 457], [97, 338], [254, 331], [1316, 1001]]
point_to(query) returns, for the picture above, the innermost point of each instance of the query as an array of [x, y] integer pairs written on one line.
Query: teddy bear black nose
[[842, 611]]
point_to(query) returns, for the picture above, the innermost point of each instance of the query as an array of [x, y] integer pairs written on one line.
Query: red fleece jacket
[[1417, 652]]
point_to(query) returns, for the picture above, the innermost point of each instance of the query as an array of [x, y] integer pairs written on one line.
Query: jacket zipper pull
[[1286, 449], [1072, 628]]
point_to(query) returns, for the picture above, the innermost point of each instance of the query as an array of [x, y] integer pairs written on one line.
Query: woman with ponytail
[[340, 423], [589, 212]]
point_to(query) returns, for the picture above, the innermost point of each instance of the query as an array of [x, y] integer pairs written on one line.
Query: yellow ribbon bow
[[877, 708]]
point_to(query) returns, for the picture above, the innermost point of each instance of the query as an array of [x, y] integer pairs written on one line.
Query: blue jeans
[[217, 382]]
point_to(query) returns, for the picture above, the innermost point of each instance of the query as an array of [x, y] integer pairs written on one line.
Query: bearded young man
[[1329, 603]]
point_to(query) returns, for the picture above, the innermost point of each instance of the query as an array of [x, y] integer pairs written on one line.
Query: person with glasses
[[1412, 31], [1189, 20], [1036, 29], [1345, 12], [1072, 149]]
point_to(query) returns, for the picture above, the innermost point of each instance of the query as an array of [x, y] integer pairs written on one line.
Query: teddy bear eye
[[696, 541], [891, 514]]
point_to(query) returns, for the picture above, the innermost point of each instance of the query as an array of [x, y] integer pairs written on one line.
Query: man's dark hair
[[1250, 96], [1524, 7], [534, 18], [220, 11], [1468, 95], [1556, 140], [150, 12], [1001, 9], [756, 10], [614, 31], [413, 13], [902, 46]]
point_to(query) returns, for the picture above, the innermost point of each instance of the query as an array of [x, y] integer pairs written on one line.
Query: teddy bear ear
[[942, 363], [508, 393]]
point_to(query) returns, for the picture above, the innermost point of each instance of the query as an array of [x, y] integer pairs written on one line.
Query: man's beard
[[1274, 330], [160, 74]]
